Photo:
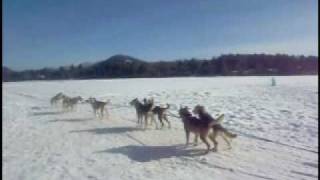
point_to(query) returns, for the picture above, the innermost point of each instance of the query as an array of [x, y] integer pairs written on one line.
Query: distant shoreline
[[224, 76], [123, 66]]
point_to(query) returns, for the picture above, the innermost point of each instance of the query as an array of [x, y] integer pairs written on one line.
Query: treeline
[[121, 66]]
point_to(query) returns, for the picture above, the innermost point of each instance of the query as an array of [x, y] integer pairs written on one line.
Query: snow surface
[[277, 128]]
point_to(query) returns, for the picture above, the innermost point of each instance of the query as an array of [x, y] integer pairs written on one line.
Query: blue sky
[[51, 33]]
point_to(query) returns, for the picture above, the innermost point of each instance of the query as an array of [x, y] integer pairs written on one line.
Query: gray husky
[[54, 100], [69, 103], [98, 107], [143, 110]]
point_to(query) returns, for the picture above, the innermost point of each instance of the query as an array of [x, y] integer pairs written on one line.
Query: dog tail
[[220, 118], [168, 106], [217, 121]]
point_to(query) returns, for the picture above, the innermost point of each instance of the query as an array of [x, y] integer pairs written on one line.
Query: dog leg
[[95, 112], [145, 121], [166, 119], [160, 119], [138, 117], [154, 120], [226, 140], [204, 140], [196, 139], [213, 137], [140, 121], [187, 137], [101, 112], [228, 134]]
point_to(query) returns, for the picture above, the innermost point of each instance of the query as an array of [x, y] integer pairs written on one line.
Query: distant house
[[41, 76], [249, 71], [234, 72], [272, 70]]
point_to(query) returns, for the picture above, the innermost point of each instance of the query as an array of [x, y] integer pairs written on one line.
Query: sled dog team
[[198, 121]]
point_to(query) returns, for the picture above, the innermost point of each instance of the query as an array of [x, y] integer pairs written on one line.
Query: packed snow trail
[[277, 128]]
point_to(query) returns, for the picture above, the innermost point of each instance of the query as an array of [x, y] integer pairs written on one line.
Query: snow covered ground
[[277, 128]]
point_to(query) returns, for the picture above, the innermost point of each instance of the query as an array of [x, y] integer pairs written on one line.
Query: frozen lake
[[276, 127]]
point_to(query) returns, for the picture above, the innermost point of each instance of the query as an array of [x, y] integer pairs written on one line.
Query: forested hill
[[122, 66]]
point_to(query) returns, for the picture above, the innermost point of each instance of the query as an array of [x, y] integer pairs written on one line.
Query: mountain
[[120, 59], [115, 66]]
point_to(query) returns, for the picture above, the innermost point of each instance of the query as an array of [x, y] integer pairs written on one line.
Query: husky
[[162, 115], [217, 128], [143, 110], [54, 100], [69, 103], [98, 106], [195, 125]]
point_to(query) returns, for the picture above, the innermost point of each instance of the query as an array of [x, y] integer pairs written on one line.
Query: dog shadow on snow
[[47, 113], [147, 153], [107, 130], [71, 120]]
